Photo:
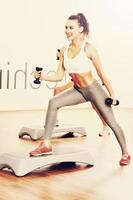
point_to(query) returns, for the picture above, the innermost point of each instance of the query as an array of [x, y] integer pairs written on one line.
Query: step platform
[[37, 132], [22, 164]]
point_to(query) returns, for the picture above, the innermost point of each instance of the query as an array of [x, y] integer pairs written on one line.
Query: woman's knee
[[53, 104]]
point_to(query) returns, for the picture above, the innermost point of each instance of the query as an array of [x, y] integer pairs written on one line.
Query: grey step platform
[[22, 164], [37, 132]]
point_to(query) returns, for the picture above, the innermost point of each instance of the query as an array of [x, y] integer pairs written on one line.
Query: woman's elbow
[[60, 77]]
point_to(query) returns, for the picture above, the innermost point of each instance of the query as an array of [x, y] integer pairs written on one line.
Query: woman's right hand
[[37, 74]]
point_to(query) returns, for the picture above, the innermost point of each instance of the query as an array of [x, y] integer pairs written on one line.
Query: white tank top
[[78, 64]]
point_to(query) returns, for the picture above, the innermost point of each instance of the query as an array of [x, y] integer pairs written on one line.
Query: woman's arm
[[93, 55], [60, 71]]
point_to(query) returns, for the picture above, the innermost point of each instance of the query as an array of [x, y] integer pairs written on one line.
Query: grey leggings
[[94, 93]]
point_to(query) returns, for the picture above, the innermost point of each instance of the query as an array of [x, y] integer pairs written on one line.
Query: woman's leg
[[96, 94], [66, 98], [109, 118], [60, 89]]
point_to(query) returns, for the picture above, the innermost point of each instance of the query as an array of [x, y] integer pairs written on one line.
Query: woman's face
[[72, 29]]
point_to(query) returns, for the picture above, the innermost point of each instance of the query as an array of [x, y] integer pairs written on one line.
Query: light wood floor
[[105, 181]]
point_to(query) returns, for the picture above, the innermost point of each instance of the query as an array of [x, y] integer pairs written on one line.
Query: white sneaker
[[105, 131]]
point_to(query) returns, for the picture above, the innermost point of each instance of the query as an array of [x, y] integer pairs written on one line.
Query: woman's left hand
[[59, 54]]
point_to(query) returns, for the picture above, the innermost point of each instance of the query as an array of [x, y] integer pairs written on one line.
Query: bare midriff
[[82, 79]]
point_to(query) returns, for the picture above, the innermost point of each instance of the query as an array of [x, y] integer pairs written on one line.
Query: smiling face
[[73, 29]]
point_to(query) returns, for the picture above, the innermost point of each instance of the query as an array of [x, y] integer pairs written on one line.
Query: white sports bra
[[78, 64]]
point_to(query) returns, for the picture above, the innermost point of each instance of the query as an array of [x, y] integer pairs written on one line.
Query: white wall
[[32, 30]]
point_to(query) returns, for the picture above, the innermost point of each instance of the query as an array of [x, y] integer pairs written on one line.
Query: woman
[[75, 59]]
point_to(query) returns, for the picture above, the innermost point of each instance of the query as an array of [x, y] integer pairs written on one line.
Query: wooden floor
[[105, 181]]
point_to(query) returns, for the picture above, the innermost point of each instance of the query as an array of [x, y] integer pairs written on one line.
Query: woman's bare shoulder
[[90, 49], [90, 46]]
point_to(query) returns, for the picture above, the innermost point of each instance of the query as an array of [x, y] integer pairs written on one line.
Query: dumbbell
[[38, 69], [109, 102], [57, 56]]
